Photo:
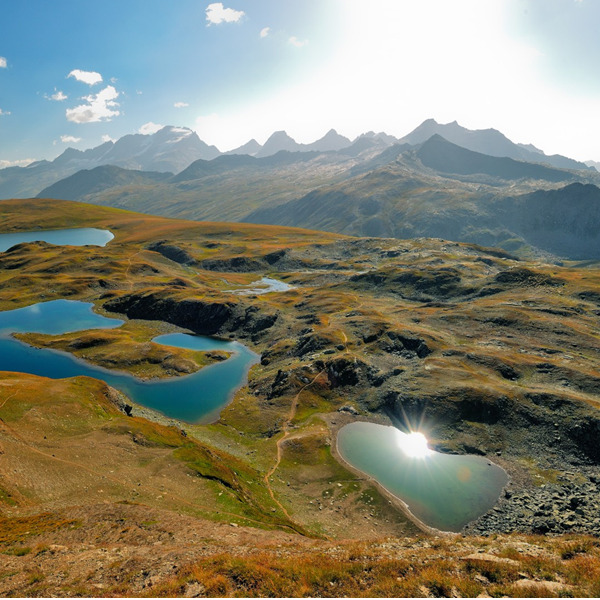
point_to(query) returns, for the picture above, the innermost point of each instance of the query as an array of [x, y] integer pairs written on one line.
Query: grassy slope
[[487, 332], [224, 195]]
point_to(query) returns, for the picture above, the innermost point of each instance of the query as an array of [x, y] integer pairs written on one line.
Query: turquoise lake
[[196, 398], [81, 236], [445, 491]]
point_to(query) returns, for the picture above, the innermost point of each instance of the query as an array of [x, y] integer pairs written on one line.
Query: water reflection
[[196, 398], [413, 444], [81, 236], [444, 491]]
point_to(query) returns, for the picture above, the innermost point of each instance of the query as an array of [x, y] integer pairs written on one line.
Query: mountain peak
[[331, 141], [279, 135], [251, 147], [485, 141], [279, 140]]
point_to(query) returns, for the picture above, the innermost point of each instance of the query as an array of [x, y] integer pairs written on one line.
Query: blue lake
[[54, 318], [445, 491], [196, 398], [64, 237]]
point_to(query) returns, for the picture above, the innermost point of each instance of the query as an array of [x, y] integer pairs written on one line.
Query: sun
[[414, 444]]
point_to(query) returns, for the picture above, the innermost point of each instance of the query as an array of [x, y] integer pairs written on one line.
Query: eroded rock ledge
[[203, 317]]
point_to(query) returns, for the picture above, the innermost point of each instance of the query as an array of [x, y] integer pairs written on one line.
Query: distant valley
[[440, 180]]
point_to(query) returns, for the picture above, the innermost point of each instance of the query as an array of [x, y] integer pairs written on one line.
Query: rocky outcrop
[[309, 343], [204, 317], [551, 508], [420, 285], [404, 345], [236, 264], [174, 253], [281, 385], [449, 407], [525, 277], [343, 371]]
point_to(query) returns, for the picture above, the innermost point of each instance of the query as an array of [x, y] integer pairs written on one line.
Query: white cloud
[[4, 112], [107, 138], [99, 107], [58, 96], [180, 104], [264, 32], [150, 128], [21, 162], [294, 41], [2, 62], [69, 139], [216, 13], [89, 77]]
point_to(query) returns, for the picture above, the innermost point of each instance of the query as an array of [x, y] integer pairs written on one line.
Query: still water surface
[[445, 491], [196, 398], [65, 237]]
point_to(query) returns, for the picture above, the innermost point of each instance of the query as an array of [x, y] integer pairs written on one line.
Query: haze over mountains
[[172, 149], [440, 180]]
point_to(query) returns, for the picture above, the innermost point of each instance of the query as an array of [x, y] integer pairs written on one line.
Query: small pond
[[196, 398], [65, 237], [444, 491], [264, 285]]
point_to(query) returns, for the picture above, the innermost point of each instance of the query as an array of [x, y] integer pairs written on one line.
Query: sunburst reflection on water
[[445, 491]]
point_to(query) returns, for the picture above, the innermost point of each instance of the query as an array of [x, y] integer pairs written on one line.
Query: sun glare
[[413, 444]]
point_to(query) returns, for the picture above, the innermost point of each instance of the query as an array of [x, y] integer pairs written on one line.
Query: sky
[[80, 72]]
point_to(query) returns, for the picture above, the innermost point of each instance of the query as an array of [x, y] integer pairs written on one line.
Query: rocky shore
[[569, 506]]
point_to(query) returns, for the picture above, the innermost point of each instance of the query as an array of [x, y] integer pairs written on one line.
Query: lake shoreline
[[396, 501], [197, 398]]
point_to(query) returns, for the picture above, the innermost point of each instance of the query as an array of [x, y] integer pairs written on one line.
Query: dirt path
[[128, 277], [286, 434]]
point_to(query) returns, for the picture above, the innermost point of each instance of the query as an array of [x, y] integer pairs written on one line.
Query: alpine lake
[[444, 491], [81, 236], [441, 490], [196, 398]]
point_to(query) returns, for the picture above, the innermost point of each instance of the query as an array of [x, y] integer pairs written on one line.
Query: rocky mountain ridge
[[172, 149], [432, 189]]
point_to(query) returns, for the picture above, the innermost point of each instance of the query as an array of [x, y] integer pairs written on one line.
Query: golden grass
[[390, 570]]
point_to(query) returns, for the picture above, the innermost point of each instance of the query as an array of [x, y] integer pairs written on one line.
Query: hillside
[[491, 355], [433, 189], [224, 189], [441, 190], [100, 179], [443, 156]]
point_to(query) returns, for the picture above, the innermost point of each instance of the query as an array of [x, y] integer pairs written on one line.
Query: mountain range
[[173, 149], [487, 141], [422, 185]]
